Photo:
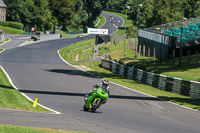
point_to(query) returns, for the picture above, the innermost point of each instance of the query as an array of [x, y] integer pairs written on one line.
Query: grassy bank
[[8, 30], [12, 99], [94, 68], [78, 52], [19, 129], [186, 71]]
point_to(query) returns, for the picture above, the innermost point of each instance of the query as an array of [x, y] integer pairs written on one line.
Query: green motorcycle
[[95, 99]]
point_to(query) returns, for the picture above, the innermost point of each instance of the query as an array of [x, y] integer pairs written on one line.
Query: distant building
[[3, 8]]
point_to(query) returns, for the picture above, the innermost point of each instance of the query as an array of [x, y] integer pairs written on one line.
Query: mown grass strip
[[20, 129], [13, 99], [83, 51]]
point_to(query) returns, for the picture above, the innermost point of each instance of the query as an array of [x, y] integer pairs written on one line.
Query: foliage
[[157, 12], [45, 14]]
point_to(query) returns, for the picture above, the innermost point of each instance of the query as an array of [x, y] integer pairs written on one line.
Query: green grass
[[5, 40], [20, 129], [79, 52], [8, 30], [94, 68], [68, 35], [12, 99], [102, 21]]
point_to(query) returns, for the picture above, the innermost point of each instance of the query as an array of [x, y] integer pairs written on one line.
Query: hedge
[[11, 24]]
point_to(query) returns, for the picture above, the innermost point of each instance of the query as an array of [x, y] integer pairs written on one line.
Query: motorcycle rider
[[104, 85]]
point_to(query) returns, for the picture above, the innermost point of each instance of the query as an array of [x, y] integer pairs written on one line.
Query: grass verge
[[12, 99], [94, 68], [20, 129], [102, 21], [78, 52], [8, 30], [5, 40]]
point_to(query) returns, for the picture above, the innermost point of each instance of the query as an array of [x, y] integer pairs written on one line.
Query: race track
[[38, 71]]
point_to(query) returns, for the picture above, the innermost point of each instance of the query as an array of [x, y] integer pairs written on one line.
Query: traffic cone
[[35, 103]]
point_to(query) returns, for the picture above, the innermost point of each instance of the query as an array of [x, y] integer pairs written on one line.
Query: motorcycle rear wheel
[[85, 108]]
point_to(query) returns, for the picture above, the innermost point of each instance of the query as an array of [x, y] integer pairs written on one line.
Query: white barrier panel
[[97, 31]]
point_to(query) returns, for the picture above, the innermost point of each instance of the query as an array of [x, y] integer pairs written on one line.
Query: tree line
[[79, 14], [45, 14], [156, 12]]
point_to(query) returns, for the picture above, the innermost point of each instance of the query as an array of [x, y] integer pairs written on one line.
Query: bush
[[11, 24], [142, 66]]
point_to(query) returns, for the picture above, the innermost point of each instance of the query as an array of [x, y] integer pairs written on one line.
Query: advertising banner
[[97, 31]]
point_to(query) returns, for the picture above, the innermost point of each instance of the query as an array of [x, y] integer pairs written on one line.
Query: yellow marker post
[[35, 103]]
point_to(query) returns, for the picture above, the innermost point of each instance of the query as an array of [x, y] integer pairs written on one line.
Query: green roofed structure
[[162, 43]]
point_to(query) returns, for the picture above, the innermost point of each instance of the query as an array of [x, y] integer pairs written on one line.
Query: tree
[[13, 10], [93, 9], [63, 11], [44, 15]]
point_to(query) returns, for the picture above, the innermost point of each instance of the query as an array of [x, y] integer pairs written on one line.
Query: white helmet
[[105, 84]]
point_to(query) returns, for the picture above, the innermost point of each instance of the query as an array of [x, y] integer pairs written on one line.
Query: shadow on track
[[6, 87], [71, 72], [82, 95]]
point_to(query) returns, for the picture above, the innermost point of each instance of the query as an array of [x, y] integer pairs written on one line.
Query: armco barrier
[[166, 83]]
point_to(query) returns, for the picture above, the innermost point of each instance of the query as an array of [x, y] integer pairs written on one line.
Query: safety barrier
[[163, 82]]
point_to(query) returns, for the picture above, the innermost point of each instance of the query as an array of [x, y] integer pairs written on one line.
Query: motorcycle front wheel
[[96, 106]]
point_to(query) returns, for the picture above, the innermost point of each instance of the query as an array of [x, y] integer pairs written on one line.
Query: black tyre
[[85, 108], [96, 106]]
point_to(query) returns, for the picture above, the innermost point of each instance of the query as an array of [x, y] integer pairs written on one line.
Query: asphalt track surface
[[38, 71]]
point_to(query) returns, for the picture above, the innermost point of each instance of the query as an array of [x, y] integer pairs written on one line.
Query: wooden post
[[139, 50], [136, 51], [144, 50], [124, 46]]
